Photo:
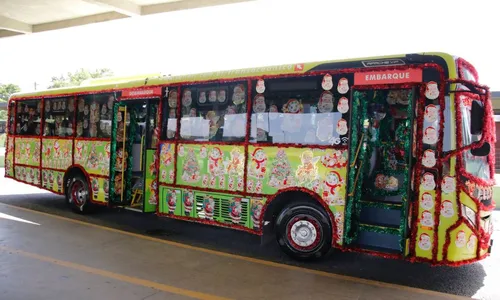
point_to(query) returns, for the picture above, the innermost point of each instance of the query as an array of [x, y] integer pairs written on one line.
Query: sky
[[259, 33]]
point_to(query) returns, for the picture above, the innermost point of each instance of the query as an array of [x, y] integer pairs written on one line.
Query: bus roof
[[116, 83]]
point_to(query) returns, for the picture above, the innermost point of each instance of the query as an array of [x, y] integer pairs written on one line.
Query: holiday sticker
[[259, 103], [427, 201], [202, 98], [424, 241], [427, 219], [172, 98], [341, 127], [472, 242], [432, 90], [327, 83], [292, 106], [429, 159], [447, 210], [261, 86], [238, 94], [430, 135], [221, 96], [212, 96], [431, 113], [235, 210], [343, 86], [343, 105], [324, 130], [460, 239], [428, 182], [325, 103], [448, 185], [186, 98]]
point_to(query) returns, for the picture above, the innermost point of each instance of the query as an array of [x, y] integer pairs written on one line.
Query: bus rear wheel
[[78, 195], [303, 231]]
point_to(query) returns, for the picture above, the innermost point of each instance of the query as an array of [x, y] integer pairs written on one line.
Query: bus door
[[133, 164], [380, 168]]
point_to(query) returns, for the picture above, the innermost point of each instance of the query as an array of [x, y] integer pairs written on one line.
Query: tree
[[76, 78], [5, 91]]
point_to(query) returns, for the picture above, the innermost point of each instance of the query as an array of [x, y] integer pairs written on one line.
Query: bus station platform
[[44, 256]]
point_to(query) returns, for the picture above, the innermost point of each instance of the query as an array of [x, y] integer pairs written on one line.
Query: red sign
[[150, 92], [388, 77], [298, 68]]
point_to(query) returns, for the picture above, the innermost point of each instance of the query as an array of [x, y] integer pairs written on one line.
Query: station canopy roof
[[31, 16]]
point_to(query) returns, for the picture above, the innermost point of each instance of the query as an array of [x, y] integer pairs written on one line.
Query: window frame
[[41, 116]]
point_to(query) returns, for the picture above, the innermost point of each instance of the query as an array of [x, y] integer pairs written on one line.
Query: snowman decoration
[[332, 183], [343, 86], [432, 90], [429, 159], [424, 241], [428, 182]]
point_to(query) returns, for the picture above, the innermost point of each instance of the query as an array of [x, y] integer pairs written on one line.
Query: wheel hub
[[303, 233]]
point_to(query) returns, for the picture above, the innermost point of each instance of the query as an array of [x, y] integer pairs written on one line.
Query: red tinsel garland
[[461, 64], [247, 138]]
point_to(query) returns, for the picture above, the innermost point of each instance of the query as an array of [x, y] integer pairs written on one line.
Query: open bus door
[[133, 153], [380, 163]]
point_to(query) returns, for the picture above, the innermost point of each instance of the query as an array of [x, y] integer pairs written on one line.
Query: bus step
[[393, 230], [380, 204], [380, 216], [378, 249], [379, 236]]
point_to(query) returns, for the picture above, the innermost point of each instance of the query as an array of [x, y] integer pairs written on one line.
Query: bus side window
[[12, 116], [59, 116], [94, 115], [169, 122], [29, 114], [214, 112], [297, 110]]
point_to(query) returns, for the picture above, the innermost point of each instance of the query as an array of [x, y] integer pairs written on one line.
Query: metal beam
[[15, 25], [124, 7], [78, 21], [185, 4]]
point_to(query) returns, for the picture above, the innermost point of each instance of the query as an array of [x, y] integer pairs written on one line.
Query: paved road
[[479, 280]]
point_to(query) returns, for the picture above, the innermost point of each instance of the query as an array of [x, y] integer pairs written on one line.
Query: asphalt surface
[[480, 280]]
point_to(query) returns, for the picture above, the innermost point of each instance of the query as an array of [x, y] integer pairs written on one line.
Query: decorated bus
[[390, 155]]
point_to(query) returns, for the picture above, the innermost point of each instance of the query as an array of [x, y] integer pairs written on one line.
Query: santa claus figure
[[221, 96], [432, 90], [171, 202], [431, 113], [235, 210], [460, 239], [428, 182], [208, 207], [427, 201], [260, 87], [343, 86], [429, 159], [430, 135], [448, 185], [212, 96], [327, 83], [471, 244], [187, 98], [255, 213], [424, 241], [343, 105], [188, 202], [427, 219], [238, 94], [341, 127], [325, 104], [259, 104], [447, 209], [202, 97]]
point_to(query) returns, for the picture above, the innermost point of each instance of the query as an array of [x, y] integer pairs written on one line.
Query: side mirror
[[477, 117], [481, 151]]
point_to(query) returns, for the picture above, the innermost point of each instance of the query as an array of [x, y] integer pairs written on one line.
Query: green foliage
[[5, 91], [3, 138], [76, 78]]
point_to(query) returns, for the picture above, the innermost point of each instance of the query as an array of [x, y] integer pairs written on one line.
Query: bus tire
[[78, 194], [303, 231]]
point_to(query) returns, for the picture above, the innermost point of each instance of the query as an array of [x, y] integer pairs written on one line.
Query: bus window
[[59, 116], [169, 122], [28, 116], [214, 112], [94, 115], [299, 111]]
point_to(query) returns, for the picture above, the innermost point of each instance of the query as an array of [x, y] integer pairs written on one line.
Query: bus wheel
[[78, 196], [303, 231]]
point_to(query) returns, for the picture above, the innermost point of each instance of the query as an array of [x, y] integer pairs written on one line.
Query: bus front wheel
[[78, 195], [303, 231]]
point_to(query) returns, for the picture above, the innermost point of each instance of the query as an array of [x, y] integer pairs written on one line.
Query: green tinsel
[[112, 159], [379, 229]]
